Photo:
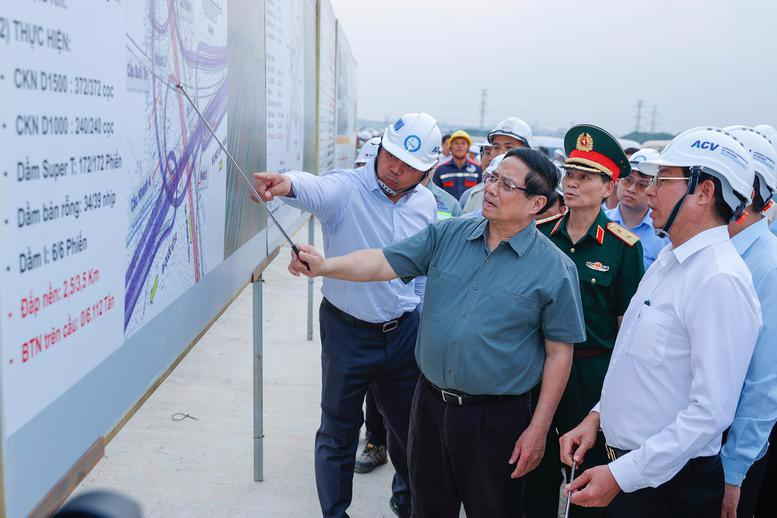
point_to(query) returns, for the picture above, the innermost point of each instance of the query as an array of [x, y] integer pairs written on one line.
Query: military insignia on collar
[[585, 142], [599, 267]]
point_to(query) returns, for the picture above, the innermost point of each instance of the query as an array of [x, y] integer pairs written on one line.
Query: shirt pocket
[[440, 287], [651, 335], [593, 278], [505, 312]]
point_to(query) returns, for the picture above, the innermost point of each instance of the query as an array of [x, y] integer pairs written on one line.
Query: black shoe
[[371, 457], [403, 511]]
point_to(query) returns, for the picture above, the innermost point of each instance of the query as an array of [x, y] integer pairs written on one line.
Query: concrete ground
[[203, 466]]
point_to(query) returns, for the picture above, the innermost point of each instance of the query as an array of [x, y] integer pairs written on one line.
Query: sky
[[560, 62]]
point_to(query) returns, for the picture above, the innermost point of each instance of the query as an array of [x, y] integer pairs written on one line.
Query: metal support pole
[[311, 242], [258, 404]]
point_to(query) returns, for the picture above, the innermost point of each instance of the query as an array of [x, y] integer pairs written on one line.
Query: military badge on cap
[[585, 142]]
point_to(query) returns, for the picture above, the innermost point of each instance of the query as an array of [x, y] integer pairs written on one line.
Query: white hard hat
[[415, 139], [368, 151], [365, 135], [375, 133], [475, 149], [717, 153], [643, 154], [512, 127], [764, 157], [769, 131]]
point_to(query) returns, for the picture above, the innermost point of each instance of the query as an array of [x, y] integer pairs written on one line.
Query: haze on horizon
[[698, 62]]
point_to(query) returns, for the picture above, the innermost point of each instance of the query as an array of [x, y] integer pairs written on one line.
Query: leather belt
[[384, 327], [589, 352], [457, 398], [614, 453]]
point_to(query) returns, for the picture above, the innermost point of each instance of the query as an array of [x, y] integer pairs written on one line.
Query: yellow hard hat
[[460, 134]]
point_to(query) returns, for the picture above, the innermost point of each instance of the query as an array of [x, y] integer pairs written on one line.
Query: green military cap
[[592, 149]]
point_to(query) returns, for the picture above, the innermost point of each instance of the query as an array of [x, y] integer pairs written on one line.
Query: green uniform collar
[[596, 231]]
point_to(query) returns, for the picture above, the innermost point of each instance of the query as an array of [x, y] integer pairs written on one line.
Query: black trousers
[[758, 496], [696, 491], [458, 455], [352, 359], [373, 421]]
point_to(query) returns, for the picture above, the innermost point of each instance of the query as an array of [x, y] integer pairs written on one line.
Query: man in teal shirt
[[501, 311]]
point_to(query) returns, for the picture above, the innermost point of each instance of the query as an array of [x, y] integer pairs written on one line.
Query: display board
[[346, 97], [327, 65], [285, 81], [125, 229]]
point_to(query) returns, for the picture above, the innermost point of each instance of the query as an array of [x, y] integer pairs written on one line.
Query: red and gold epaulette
[[627, 236], [551, 218]]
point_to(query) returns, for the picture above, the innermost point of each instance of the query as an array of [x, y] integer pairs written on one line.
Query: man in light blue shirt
[[651, 243], [632, 211], [744, 452], [368, 330]]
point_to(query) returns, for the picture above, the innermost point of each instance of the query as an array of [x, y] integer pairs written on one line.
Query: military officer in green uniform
[[609, 264]]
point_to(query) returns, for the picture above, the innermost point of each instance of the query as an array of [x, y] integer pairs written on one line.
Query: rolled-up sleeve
[[722, 337], [757, 409], [562, 316], [411, 257]]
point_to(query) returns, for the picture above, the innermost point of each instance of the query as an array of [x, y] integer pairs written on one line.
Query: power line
[[653, 119], [639, 115]]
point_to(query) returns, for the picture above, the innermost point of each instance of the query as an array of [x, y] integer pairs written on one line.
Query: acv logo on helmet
[[398, 125], [705, 145], [412, 143]]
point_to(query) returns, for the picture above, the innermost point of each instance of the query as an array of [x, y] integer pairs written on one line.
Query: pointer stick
[[294, 247], [569, 496]]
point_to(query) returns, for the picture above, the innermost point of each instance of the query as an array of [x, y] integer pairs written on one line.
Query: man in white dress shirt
[[683, 348]]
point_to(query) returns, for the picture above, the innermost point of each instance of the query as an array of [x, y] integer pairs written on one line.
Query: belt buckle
[[390, 325], [610, 453], [445, 394]]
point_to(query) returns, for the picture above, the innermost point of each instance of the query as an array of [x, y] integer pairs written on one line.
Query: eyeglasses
[[658, 180], [640, 185], [505, 185]]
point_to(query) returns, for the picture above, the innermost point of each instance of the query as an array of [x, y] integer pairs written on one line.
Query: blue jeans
[[354, 359]]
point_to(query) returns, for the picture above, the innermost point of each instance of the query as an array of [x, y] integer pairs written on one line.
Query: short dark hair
[[758, 201], [542, 178], [446, 138], [552, 198]]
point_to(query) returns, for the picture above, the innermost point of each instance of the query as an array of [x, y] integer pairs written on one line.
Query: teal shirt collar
[[520, 242]]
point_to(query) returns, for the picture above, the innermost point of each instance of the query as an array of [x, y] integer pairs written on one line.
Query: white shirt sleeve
[[722, 321]]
